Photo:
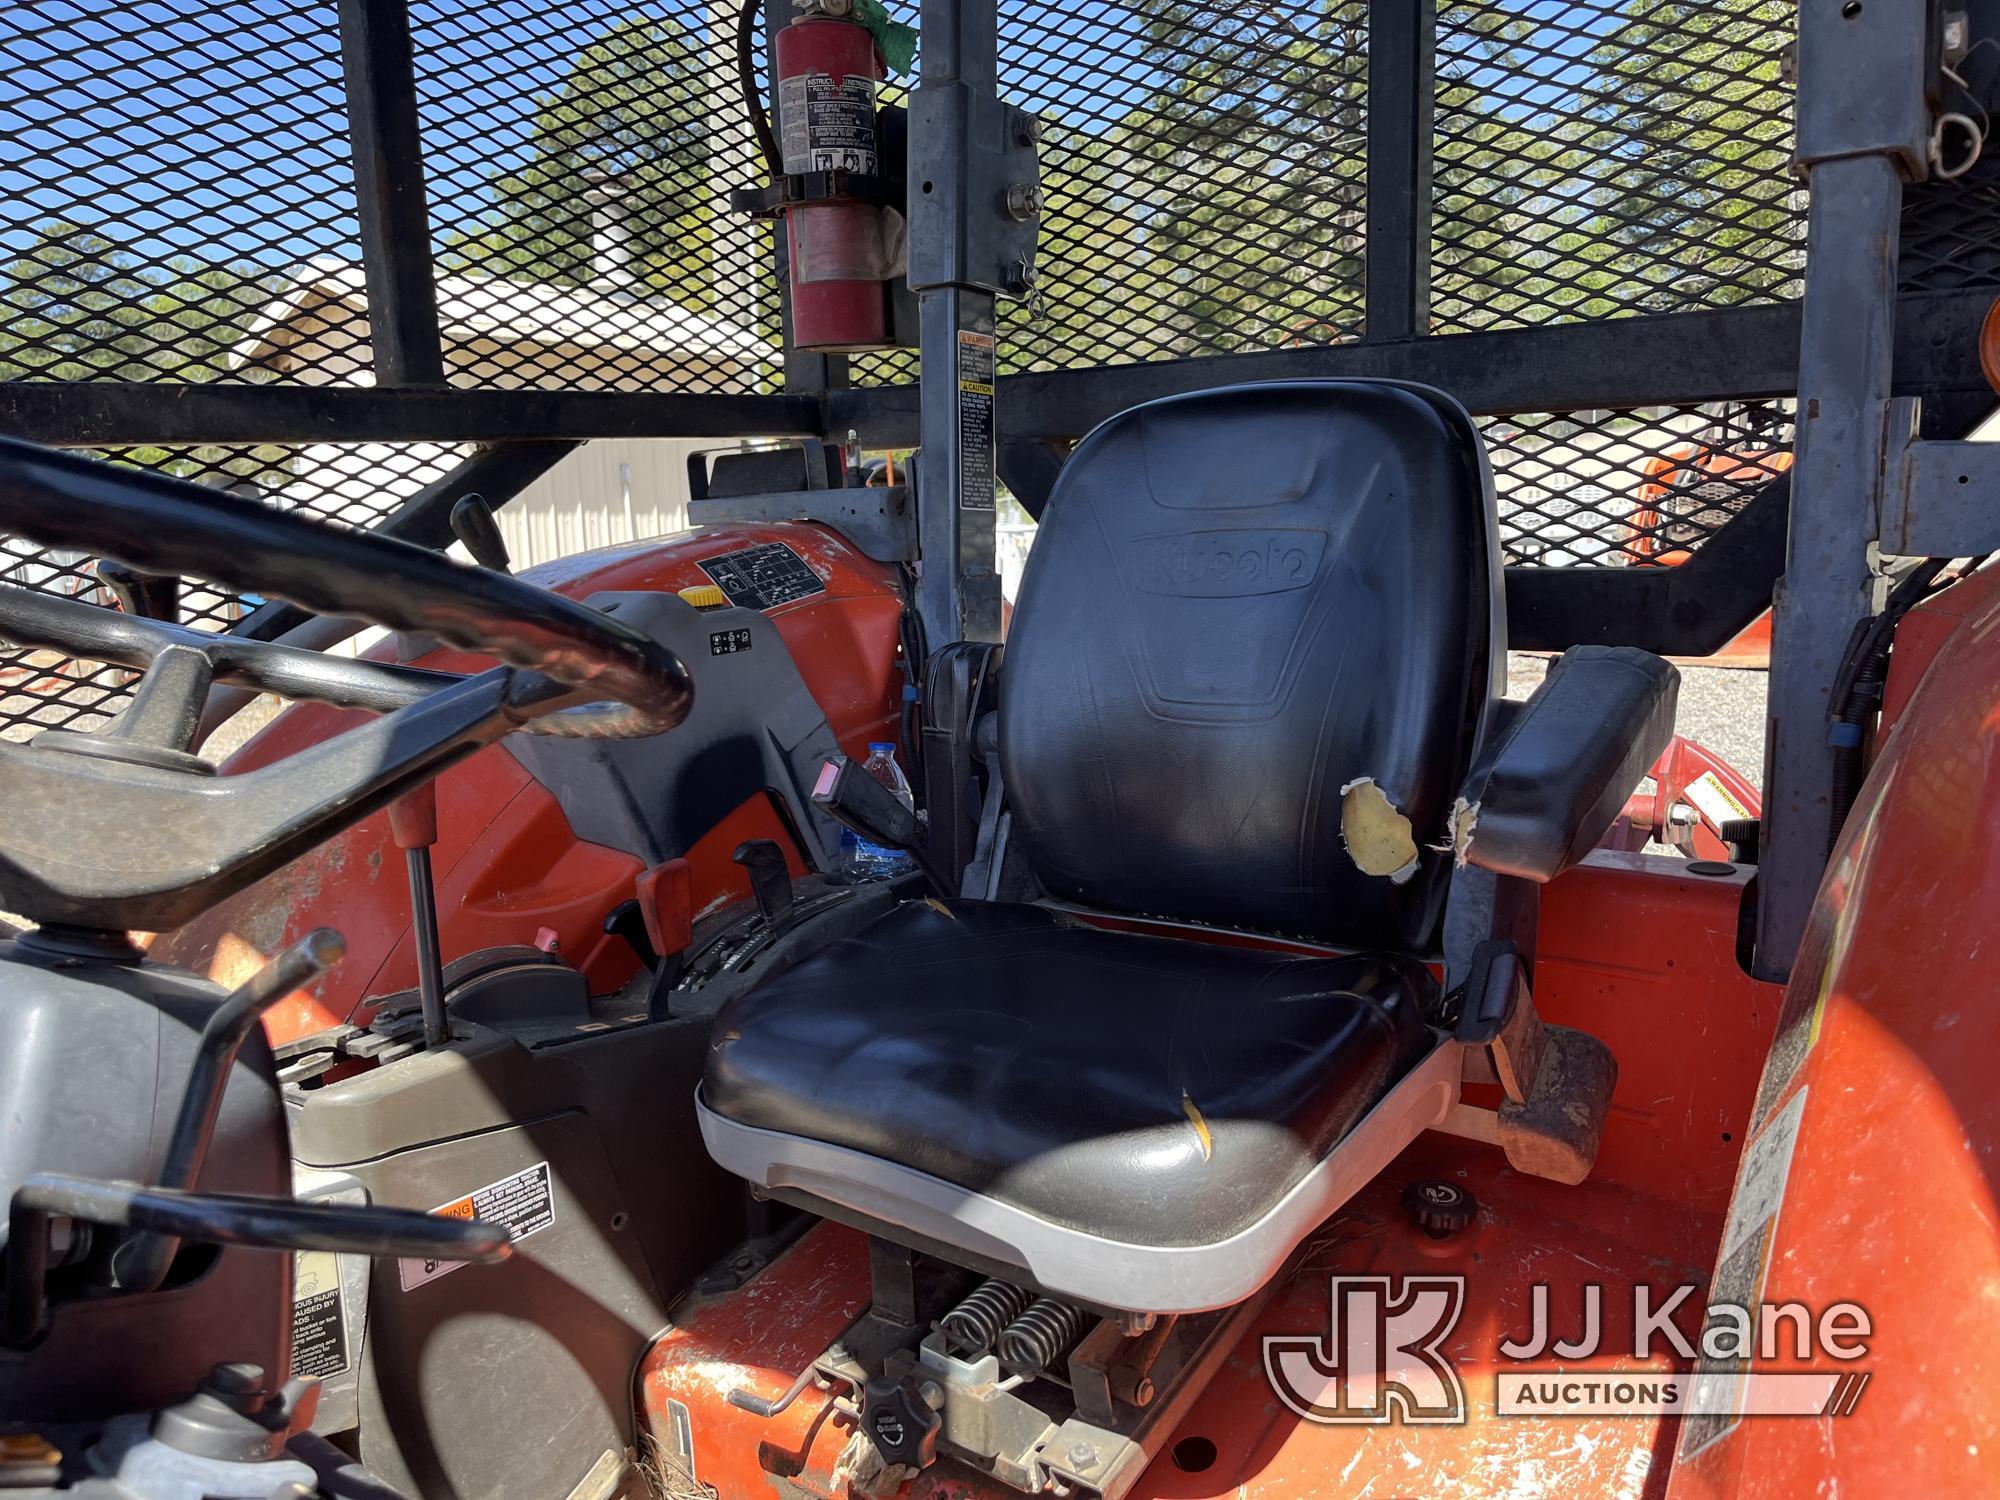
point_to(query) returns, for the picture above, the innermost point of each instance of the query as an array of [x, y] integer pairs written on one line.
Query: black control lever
[[142, 1264], [168, 1216], [627, 922], [860, 802], [770, 881], [473, 524]]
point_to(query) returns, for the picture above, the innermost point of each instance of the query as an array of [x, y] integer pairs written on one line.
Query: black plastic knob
[[901, 1416], [1440, 1209]]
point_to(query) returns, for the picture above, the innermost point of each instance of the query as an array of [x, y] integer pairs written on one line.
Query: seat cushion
[[1152, 1091]]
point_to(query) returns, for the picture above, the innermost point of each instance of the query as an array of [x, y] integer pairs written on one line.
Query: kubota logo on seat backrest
[[1380, 1359], [1228, 564]]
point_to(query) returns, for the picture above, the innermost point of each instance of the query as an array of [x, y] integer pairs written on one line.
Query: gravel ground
[[1721, 708]]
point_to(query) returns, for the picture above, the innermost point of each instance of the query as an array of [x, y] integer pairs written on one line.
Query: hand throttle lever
[[162, 1217]]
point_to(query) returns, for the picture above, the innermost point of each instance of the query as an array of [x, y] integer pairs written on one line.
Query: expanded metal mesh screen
[[354, 484], [167, 168], [580, 156], [1204, 169], [1635, 487], [1203, 174], [1602, 158], [1951, 237], [177, 204]]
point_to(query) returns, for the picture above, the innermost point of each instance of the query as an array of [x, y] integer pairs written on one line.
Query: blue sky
[[217, 130]]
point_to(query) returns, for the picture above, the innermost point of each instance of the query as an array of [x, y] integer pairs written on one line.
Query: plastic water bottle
[[859, 858]]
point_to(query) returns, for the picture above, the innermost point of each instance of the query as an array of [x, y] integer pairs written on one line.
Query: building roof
[[517, 317]]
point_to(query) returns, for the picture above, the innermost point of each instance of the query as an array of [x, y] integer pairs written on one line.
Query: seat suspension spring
[[976, 1322], [1040, 1336]]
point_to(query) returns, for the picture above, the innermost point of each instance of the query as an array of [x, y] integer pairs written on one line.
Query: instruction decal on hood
[[763, 577]]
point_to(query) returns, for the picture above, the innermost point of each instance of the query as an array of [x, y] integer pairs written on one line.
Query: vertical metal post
[[387, 148], [958, 594], [1862, 126], [1402, 63], [1840, 456]]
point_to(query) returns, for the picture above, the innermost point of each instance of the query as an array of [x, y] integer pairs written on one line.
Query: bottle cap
[[888, 745]]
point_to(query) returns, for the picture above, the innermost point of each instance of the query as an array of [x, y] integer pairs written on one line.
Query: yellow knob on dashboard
[[705, 596]]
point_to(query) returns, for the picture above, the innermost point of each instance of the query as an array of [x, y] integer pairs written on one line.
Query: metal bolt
[[1027, 130], [1082, 1456], [1024, 201]]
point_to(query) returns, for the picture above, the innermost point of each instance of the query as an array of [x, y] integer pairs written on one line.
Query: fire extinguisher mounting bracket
[[962, 232], [818, 187]]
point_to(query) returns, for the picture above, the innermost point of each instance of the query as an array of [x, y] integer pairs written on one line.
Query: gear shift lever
[[413, 821]]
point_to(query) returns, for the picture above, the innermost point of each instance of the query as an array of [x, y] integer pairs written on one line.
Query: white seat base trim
[[1072, 1262]]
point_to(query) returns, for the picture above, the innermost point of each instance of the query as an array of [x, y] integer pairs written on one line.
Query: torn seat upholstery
[[1240, 604]]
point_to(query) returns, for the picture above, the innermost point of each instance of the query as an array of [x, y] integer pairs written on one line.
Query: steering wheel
[[125, 827]]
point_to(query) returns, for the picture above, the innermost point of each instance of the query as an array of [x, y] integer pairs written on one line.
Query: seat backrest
[[1239, 604]]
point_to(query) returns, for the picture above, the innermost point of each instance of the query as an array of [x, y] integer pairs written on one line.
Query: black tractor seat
[[1253, 681]]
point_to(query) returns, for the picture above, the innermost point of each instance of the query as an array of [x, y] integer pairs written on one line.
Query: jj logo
[[1380, 1360]]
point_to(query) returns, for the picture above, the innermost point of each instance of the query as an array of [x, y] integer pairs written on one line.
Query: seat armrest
[[1554, 778]]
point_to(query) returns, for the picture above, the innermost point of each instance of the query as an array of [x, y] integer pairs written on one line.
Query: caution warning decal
[[523, 1202], [319, 1323]]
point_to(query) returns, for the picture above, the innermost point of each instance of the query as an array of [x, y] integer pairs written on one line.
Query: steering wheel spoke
[[165, 707]]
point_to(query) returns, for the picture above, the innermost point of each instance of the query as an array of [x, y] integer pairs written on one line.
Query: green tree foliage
[[74, 309], [1698, 191], [631, 127], [77, 305], [1642, 173], [1654, 177], [1256, 204]]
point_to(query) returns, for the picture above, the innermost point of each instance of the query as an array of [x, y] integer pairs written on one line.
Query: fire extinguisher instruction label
[[828, 126], [975, 420], [524, 1202]]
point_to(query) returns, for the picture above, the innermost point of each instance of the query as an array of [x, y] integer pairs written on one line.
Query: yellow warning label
[[1717, 803]]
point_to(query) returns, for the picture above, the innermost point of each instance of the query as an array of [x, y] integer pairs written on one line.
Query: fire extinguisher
[[842, 247]]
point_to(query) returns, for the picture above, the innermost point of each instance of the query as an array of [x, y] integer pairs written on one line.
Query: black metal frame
[[1741, 353]]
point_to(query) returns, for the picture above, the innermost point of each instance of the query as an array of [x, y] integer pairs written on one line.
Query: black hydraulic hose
[[746, 80], [1864, 672], [1846, 734], [916, 655]]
